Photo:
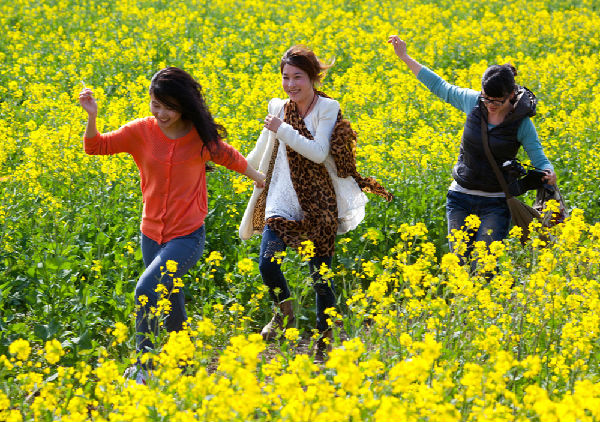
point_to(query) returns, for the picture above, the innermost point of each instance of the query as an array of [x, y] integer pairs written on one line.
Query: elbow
[[91, 146], [319, 157], [89, 150]]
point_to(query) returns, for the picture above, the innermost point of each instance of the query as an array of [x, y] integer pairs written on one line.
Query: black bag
[[521, 180]]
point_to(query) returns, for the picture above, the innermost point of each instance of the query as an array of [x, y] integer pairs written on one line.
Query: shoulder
[[142, 129], [526, 126], [327, 106], [276, 104], [471, 100], [141, 123]]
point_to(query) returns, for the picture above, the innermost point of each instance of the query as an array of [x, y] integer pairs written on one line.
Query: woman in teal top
[[507, 108]]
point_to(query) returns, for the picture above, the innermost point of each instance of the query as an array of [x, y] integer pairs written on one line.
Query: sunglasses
[[494, 102]]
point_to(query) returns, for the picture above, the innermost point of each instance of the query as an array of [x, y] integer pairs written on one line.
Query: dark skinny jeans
[[274, 279]]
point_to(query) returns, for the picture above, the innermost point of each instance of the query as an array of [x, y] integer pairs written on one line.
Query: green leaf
[[83, 341], [102, 239], [41, 331]]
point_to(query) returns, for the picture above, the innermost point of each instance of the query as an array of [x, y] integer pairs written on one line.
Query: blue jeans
[[493, 213], [186, 251], [274, 279]]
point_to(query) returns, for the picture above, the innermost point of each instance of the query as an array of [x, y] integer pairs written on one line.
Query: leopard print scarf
[[314, 187], [343, 151]]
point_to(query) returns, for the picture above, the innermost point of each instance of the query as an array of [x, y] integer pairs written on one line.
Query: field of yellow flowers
[[418, 336]]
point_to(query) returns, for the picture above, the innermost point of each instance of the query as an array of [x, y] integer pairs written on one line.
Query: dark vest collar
[[525, 106]]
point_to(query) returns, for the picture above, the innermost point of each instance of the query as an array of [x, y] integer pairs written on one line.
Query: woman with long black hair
[[171, 149]]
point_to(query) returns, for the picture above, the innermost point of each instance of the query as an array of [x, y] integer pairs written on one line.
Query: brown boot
[[282, 318], [323, 346]]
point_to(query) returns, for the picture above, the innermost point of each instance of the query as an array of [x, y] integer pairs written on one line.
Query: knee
[[145, 293], [322, 289], [267, 267], [147, 289]]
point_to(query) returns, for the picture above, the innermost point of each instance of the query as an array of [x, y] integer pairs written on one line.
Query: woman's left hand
[[550, 177], [272, 122], [260, 182]]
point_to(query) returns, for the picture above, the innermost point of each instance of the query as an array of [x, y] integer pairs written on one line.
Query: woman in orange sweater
[[171, 149]]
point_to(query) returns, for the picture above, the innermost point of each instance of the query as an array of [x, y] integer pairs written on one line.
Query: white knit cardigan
[[351, 200]]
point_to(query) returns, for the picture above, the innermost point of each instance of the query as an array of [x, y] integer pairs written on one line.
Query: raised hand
[[399, 46], [87, 101]]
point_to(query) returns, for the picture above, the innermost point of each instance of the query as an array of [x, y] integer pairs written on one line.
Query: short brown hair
[[304, 58]]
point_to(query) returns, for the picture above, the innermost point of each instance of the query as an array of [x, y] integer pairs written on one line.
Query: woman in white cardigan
[[305, 198]]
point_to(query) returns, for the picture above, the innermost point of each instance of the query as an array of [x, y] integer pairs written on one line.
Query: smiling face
[[167, 118], [297, 84]]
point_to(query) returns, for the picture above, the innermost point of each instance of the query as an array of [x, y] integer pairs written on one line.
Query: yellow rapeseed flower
[[53, 351], [171, 266], [21, 348]]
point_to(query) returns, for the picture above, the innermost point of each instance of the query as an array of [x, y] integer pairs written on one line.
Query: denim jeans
[[493, 213], [185, 251], [274, 279]]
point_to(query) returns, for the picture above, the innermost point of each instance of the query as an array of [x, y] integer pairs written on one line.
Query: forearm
[[463, 99], [90, 129], [412, 64], [527, 136], [258, 177], [401, 51], [315, 150], [253, 174]]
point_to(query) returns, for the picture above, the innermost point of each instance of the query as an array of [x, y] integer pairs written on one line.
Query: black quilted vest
[[472, 169]]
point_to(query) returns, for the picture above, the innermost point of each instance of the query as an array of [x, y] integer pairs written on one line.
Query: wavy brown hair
[[304, 58]]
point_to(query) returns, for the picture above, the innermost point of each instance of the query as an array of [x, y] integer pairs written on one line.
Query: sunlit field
[[417, 336]]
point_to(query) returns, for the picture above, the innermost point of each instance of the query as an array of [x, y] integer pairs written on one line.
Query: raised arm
[[401, 51], [463, 99], [88, 103], [127, 138]]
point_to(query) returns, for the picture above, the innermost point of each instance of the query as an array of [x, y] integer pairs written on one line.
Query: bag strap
[[490, 156]]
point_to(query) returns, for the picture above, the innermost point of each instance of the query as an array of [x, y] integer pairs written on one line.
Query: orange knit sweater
[[172, 173]]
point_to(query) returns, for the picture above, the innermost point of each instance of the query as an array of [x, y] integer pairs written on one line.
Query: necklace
[[302, 115]]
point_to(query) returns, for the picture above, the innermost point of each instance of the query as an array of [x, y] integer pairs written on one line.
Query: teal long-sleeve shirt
[[465, 99]]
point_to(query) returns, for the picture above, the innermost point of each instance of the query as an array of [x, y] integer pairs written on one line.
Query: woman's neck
[[305, 107], [498, 116], [178, 131]]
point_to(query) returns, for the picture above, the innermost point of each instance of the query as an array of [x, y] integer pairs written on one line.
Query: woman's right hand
[[87, 101], [399, 46]]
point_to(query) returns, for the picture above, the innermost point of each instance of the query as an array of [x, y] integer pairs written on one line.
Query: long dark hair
[[177, 89], [499, 80]]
